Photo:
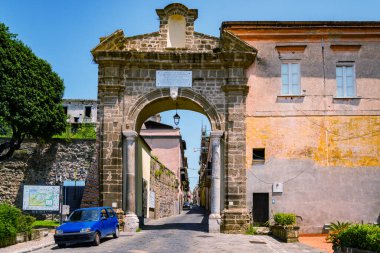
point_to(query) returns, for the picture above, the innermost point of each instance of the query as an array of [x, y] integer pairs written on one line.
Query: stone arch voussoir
[[200, 103]]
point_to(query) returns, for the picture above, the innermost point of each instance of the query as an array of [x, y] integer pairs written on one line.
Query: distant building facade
[[167, 145], [204, 185], [80, 110]]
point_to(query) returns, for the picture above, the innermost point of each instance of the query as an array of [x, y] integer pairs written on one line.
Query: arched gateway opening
[[143, 75]]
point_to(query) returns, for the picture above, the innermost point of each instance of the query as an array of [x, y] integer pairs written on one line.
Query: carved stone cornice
[[130, 135], [180, 59], [236, 88], [111, 87], [288, 31], [216, 134]]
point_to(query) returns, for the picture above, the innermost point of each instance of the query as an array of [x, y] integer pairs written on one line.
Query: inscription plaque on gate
[[173, 78]]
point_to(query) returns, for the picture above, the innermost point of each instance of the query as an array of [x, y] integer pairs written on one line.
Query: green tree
[[30, 94]]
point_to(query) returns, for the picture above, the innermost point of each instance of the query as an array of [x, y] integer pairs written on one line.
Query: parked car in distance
[[186, 205], [87, 225]]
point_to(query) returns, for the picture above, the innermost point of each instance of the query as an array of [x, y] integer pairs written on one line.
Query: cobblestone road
[[186, 233]]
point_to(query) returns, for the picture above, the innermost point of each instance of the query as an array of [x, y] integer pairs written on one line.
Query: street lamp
[[176, 117]]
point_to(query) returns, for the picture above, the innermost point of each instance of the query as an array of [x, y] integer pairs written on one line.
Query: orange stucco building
[[313, 120]]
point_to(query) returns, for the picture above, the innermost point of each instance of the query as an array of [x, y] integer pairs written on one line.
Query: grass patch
[[251, 230], [45, 224]]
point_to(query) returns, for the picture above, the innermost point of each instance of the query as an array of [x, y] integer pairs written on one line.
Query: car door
[[112, 219], [106, 230]]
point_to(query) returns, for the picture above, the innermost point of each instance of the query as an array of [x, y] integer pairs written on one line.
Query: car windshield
[[84, 215]]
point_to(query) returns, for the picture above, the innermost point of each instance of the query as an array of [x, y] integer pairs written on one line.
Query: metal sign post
[[60, 203]]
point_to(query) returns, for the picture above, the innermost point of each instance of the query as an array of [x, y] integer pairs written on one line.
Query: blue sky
[[64, 32]]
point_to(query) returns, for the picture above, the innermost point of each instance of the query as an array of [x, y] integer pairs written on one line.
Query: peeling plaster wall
[[324, 149], [347, 141], [319, 195], [322, 183]]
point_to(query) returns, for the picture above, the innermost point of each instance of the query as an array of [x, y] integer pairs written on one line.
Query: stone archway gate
[[127, 96]]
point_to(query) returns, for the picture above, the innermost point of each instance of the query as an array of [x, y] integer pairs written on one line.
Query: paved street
[[185, 233]]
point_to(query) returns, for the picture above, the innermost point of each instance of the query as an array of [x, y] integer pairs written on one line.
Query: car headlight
[[85, 230], [58, 232]]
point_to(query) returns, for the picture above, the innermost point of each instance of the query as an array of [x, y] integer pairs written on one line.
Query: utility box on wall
[[277, 187]]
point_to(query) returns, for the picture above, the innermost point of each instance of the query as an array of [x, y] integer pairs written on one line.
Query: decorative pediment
[[177, 9], [113, 41], [175, 41], [231, 43]]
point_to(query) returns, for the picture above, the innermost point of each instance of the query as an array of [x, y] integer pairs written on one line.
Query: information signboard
[[41, 198], [173, 78], [152, 199]]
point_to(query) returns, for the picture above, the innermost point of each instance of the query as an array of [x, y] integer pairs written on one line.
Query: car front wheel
[[116, 233], [96, 239], [61, 245]]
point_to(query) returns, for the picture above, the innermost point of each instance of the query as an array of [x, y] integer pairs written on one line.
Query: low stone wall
[[35, 234], [164, 184], [50, 164], [285, 234], [352, 250]]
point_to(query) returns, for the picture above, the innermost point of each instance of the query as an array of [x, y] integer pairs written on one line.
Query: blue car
[[88, 225]]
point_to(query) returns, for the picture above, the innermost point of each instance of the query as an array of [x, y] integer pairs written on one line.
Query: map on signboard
[[41, 198], [174, 78]]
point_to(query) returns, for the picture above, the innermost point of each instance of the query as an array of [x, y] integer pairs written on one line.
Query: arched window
[[176, 31]]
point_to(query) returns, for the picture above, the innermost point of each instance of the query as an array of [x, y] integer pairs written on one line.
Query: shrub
[[85, 131], [24, 223], [13, 221], [335, 229], [158, 173], [366, 237], [284, 219]]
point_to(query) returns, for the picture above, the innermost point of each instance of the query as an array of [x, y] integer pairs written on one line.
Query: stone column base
[[214, 221], [235, 221], [131, 222]]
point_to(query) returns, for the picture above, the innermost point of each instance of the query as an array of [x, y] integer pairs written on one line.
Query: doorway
[[260, 208]]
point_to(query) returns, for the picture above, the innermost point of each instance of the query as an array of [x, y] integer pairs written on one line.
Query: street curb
[[36, 248]]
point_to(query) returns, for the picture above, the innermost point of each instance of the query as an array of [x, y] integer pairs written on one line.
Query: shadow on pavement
[[82, 244], [202, 226]]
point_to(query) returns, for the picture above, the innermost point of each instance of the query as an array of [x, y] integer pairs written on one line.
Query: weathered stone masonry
[[59, 160], [50, 164], [165, 186], [127, 97]]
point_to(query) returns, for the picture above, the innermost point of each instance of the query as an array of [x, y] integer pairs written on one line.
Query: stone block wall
[[154, 42], [50, 164], [164, 184], [128, 95]]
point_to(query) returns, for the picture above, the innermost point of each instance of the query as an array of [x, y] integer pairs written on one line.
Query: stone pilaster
[[129, 178], [214, 221], [235, 215]]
